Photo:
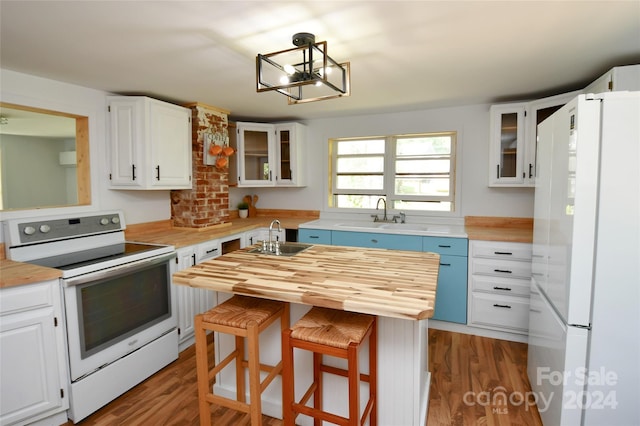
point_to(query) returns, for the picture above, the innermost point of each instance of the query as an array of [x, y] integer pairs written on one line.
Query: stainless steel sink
[[286, 249]]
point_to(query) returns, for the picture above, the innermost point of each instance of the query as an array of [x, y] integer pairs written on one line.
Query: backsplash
[[207, 203]]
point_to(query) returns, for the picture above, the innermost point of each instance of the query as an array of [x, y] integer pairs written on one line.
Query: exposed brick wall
[[207, 203]]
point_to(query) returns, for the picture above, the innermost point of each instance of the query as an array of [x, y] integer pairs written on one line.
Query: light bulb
[[289, 69], [284, 80]]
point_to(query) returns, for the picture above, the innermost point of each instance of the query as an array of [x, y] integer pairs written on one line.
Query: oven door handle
[[119, 270]]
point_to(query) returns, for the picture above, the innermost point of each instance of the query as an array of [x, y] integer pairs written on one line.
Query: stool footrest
[[320, 415], [243, 407], [309, 393], [215, 370], [341, 372]]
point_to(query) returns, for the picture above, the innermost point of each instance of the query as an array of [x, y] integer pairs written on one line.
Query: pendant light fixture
[[305, 73]]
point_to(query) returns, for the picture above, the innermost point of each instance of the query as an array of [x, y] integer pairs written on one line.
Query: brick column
[[207, 203]]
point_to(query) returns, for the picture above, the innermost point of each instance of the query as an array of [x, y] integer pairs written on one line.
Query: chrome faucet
[[274, 246], [375, 216]]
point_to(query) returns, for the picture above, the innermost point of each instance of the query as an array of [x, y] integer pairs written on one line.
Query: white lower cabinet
[[499, 278], [192, 301], [33, 363]]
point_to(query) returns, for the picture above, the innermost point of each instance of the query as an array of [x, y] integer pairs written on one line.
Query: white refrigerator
[[584, 320]]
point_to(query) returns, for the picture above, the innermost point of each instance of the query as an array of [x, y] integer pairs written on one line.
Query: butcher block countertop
[[390, 283], [18, 273], [164, 233], [508, 229]]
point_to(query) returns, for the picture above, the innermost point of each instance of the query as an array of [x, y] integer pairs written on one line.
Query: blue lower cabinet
[[376, 240], [314, 236], [451, 295]]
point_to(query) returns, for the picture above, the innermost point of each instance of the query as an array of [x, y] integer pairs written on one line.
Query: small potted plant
[[243, 210]]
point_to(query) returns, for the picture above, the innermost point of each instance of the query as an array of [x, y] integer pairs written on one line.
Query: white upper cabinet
[[270, 154], [616, 79], [507, 144], [513, 139], [150, 144]]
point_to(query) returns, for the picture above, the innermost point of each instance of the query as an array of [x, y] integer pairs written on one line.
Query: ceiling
[[404, 55]]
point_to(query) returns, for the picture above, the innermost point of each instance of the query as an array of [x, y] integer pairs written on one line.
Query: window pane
[[440, 206], [369, 146], [360, 165], [357, 201], [359, 182], [422, 166], [423, 186], [424, 145]]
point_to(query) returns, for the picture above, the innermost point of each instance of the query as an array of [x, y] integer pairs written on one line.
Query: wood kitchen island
[[397, 286]]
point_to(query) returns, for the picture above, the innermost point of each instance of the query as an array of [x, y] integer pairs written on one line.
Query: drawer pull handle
[[314, 236], [501, 306], [445, 264], [443, 246], [502, 288], [505, 253], [374, 241], [504, 271], [212, 250]]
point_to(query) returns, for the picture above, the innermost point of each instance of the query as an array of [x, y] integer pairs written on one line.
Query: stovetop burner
[[74, 260]]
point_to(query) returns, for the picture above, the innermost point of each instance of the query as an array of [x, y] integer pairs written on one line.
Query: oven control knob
[[45, 228], [104, 221], [115, 219], [29, 230]]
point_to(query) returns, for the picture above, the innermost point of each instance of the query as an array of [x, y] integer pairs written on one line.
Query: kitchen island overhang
[[397, 286]]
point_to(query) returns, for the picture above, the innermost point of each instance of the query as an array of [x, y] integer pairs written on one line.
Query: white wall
[[472, 125]]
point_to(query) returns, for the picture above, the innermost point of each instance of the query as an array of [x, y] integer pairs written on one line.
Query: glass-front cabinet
[[270, 154], [507, 144], [513, 139], [254, 154]]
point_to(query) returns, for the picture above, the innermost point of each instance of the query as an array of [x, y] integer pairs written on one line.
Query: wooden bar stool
[[334, 333], [243, 317]]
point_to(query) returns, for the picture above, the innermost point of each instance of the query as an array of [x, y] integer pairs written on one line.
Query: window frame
[[389, 176]]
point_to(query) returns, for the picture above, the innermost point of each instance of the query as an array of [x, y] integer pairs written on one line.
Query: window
[[411, 172]]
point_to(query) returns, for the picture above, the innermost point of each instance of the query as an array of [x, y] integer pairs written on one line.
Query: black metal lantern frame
[[305, 73]]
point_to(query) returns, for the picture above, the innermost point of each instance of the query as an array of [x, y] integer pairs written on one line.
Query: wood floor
[[475, 381]]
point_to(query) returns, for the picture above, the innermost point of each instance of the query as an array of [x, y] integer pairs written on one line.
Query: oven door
[[115, 311]]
